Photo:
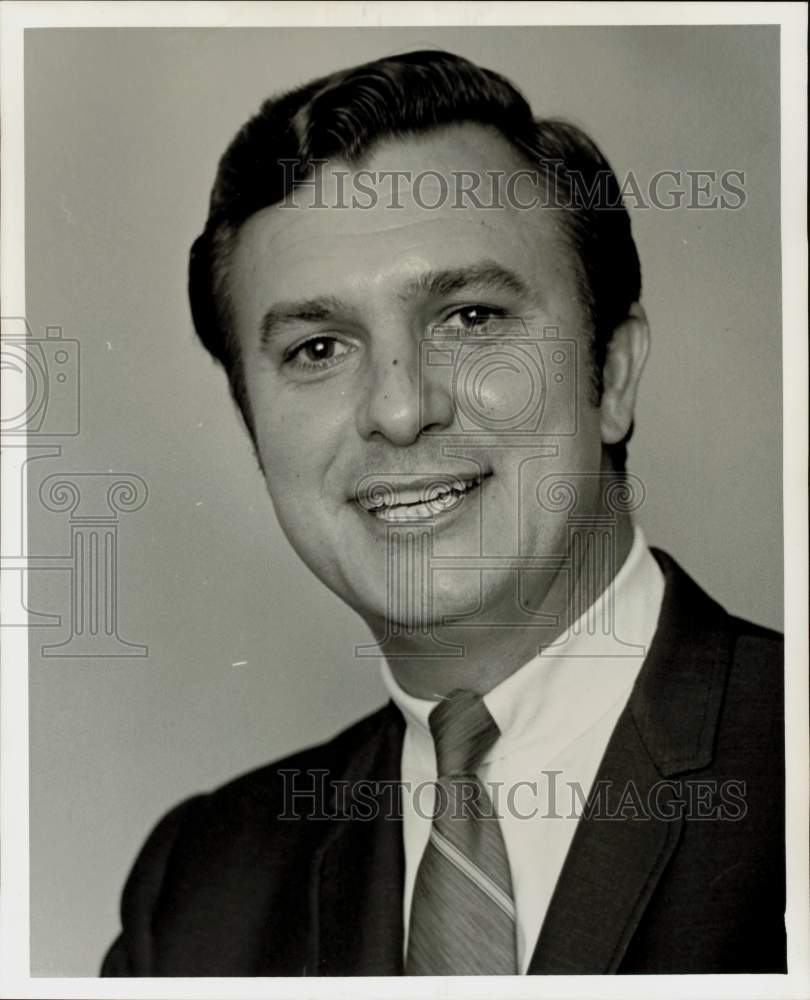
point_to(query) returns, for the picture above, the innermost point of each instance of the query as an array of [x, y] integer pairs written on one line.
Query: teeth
[[413, 512], [416, 504]]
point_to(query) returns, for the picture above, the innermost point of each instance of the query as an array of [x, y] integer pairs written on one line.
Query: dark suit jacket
[[675, 870]]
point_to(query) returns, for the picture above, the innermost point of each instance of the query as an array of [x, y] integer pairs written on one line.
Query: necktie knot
[[463, 730]]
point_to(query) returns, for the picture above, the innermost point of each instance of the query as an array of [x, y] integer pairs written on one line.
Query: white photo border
[[15, 18]]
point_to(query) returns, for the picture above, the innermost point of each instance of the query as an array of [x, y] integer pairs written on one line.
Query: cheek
[[503, 388], [299, 438], [289, 461]]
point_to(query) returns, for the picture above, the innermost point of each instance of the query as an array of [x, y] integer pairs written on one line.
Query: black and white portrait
[[398, 499]]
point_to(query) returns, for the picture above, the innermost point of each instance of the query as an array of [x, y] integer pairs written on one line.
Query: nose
[[402, 399]]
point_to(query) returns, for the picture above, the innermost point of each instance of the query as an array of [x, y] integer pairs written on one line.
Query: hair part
[[344, 116]]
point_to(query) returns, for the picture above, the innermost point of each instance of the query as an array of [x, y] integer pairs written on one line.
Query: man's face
[[336, 309]]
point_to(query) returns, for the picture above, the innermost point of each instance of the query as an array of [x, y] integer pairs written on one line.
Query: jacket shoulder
[[254, 795], [757, 659], [766, 641], [331, 756], [228, 837], [754, 700]]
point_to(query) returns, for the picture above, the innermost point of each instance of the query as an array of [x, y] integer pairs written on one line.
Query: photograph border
[[15, 18]]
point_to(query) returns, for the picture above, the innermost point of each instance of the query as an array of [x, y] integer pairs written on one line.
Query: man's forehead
[[409, 201]]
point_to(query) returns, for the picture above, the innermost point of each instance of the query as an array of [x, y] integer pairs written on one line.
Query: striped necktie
[[462, 914]]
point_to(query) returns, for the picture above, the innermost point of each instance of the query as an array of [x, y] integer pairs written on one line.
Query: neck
[[491, 654]]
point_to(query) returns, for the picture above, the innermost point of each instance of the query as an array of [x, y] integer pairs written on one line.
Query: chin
[[407, 613], [454, 595], [448, 602]]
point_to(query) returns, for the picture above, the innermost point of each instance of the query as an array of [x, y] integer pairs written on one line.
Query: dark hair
[[344, 115]]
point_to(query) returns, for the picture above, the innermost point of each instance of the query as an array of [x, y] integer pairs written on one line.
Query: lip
[[395, 501]]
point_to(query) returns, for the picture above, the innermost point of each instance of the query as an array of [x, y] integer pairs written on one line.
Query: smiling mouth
[[418, 501]]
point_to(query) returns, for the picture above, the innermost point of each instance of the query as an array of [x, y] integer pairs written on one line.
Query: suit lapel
[[631, 825], [611, 869], [356, 882], [619, 850]]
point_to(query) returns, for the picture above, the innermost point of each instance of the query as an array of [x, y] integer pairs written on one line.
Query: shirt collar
[[566, 688]]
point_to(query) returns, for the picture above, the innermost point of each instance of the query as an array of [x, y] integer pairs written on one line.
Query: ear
[[627, 353]]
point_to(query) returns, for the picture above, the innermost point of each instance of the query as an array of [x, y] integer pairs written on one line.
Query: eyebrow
[[431, 284], [447, 281]]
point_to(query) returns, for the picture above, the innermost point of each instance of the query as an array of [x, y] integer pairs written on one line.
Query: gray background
[[123, 131]]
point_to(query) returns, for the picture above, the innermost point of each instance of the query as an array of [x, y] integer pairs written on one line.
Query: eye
[[317, 353], [476, 318]]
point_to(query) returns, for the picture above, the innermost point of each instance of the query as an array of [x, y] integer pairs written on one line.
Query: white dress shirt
[[555, 715]]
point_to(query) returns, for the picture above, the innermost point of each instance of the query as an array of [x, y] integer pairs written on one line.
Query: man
[[427, 303]]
